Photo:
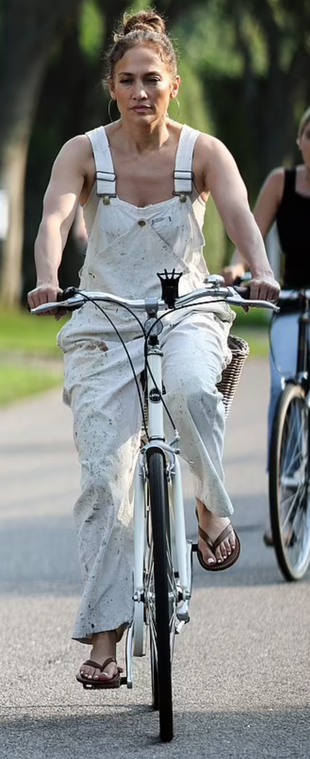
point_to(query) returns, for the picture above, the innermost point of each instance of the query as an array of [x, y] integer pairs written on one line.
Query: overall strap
[[183, 174], [105, 176]]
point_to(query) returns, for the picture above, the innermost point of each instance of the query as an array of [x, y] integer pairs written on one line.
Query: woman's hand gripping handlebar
[[71, 298]]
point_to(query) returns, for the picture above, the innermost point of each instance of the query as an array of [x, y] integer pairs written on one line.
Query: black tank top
[[293, 224]]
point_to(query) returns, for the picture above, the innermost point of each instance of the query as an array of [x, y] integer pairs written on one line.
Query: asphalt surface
[[241, 668]]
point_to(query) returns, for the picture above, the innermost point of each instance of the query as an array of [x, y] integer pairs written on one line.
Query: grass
[[20, 331], [255, 318], [29, 354], [257, 340], [253, 327], [19, 381]]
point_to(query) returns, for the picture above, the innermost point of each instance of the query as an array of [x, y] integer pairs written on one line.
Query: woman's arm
[[59, 208], [223, 180], [236, 268], [264, 213]]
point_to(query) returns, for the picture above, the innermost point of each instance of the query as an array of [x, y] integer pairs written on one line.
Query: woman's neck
[[139, 139]]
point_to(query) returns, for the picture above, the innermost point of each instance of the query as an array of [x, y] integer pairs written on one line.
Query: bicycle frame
[[182, 554]]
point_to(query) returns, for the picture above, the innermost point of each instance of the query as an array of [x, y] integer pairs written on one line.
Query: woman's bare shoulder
[[212, 152], [274, 182], [276, 176], [213, 164], [77, 148], [206, 140]]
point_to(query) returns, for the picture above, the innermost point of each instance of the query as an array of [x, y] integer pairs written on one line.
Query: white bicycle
[[162, 578]]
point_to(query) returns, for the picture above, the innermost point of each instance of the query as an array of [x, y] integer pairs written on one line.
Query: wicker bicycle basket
[[231, 375]]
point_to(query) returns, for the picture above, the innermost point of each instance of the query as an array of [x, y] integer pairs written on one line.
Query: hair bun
[[144, 20], [146, 28]]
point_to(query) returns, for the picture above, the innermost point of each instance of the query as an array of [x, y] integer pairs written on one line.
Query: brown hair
[[304, 121], [146, 28]]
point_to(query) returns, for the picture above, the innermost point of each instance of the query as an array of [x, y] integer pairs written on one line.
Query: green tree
[[32, 35], [244, 69], [28, 33], [259, 84]]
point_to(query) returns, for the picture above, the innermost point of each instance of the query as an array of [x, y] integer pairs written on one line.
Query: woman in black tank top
[[285, 200], [293, 225]]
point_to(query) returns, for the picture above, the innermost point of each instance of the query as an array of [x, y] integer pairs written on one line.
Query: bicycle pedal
[[194, 547], [124, 682]]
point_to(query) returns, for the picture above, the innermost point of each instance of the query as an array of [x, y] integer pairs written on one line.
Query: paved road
[[241, 672]]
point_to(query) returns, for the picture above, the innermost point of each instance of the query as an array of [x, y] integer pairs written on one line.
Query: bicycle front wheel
[[289, 500], [161, 597]]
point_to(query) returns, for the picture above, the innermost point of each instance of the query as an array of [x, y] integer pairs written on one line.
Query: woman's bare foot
[[103, 646], [213, 526]]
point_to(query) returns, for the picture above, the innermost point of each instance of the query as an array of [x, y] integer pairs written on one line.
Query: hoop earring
[[109, 109], [178, 107]]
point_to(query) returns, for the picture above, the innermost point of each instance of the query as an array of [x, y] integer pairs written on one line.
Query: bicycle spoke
[[288, 483]]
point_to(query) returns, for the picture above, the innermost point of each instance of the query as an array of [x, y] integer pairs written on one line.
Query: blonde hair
[[146, 28], [303, 122]]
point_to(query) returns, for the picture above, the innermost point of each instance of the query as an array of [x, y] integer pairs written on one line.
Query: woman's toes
[[109, 672], [227, 547], [217, 554], [208, 556], [224, 550], [210, 559], [90, 673]]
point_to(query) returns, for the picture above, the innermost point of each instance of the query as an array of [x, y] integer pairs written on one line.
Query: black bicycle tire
[[154, 676], [291, 391], [153, 663], [158, 494]]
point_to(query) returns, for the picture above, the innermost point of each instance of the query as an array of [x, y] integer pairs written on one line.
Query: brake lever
[[244, 293]]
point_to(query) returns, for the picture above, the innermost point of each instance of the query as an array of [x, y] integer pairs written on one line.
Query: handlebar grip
[[242, 290]]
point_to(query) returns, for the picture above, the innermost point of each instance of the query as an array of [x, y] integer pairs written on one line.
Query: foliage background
[[245, 78]]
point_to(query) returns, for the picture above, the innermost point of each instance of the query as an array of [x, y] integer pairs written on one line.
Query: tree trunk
[[13, 159], [28, 31]]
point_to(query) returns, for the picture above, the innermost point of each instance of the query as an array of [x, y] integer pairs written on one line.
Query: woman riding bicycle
[[143, 181], [285, 200]]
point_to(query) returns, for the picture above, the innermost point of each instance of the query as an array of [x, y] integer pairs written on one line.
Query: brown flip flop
[[113, 682], [214, 544]]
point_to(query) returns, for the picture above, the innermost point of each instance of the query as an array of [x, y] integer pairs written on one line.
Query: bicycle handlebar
[[286, 294], [72, 298], [294, 294]]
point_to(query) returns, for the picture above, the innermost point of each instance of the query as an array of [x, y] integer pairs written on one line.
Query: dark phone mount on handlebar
[[68, 292], [169, 286]]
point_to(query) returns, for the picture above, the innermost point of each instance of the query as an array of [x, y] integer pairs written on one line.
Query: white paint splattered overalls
[[127, 247]]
